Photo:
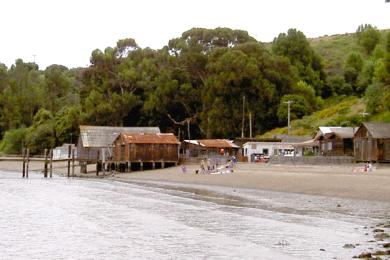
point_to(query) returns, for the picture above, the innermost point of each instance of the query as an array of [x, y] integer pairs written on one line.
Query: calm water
[[85, 219]]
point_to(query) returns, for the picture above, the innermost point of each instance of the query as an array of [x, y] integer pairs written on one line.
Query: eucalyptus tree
[[297, 49]]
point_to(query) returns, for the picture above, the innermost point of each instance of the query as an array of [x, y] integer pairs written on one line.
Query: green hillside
[[345, 109], [335, 49], [339, 112]]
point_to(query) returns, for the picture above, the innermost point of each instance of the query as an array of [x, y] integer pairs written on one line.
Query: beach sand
[[342, 181]]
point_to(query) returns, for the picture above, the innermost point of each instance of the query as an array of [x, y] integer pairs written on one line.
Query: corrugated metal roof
[[292, 138], [104, 136], [378, 130], [341, 132], [150, 138], [213, 143], [308, 143]]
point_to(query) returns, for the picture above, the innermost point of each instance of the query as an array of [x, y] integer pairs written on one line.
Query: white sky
[[67, 31]]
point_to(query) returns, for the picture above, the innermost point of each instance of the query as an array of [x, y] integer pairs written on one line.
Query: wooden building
[[94, 140], [210, 147], [145, 148], [372, 142], [335, 141]]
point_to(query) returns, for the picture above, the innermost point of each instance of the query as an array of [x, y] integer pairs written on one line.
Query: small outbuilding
[[256, 150], [153, 149], [335, 141], [372, 142], [210, 147]]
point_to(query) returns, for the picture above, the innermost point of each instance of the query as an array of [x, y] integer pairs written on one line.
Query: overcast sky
[[67, 31]]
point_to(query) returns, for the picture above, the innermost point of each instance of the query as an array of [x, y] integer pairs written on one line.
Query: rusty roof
[[104, 136], [158, 138], [213, 143], [378, 130]]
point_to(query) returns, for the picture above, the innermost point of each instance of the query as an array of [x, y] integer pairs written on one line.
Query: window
[[265, 151], [253, 146]]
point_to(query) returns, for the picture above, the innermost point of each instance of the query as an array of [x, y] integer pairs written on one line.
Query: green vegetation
[[201, 79], [339, 111]]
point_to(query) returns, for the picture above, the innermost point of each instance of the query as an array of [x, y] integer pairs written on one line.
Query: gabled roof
[[329, 131], [104, 136], [158, 138], [213, 143], [378, 130]]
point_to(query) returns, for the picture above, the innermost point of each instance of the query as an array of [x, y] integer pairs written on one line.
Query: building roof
[[338, 131], [292, 138], [308, 143], [213, 143], [280, 145], [104, 136], [378, 130], [158, 138]]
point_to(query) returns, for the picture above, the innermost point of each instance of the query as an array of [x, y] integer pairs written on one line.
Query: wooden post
[[73, 163], [153, 165], [97, 163], [45, 165], [24, 162], [28, 161], [51, 163], [104, 162], [69, 152], [141, 165]]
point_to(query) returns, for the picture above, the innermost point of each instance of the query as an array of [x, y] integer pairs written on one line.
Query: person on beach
[[183, 169]]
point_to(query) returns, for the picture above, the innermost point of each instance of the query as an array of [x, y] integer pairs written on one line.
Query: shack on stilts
[[95, 143], [145, 151]]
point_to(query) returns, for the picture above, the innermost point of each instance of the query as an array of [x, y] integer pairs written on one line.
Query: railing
[[311, 160]]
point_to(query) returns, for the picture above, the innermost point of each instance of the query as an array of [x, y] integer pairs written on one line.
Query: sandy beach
[[343, 181]]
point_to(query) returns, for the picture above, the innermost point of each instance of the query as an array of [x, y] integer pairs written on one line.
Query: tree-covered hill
[[335, 49], [203, 83]]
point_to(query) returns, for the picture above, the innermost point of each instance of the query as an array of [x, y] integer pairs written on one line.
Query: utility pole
[[34, 55], [243, 117], [250, 124], [288, 116]]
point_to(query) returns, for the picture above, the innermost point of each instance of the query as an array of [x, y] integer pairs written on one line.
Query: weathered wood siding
[[336, 147], [199, 151], [146, 152], [86, 153], [368, 149]]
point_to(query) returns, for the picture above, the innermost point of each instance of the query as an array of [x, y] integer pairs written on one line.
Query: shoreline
[[340, 181]]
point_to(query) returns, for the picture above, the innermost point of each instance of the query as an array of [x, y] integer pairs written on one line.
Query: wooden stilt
[[162, 164], [24, 162], [45, 165], [141, 166], [153, 165], [69, 153], [73, 163], [27, 161], [97, 163], [51, 163]]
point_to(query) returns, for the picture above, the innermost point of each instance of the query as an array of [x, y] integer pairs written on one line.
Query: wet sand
[[342, 181]]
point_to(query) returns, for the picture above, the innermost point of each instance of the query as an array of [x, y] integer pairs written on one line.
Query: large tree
[[297, 49], [249, 71]]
